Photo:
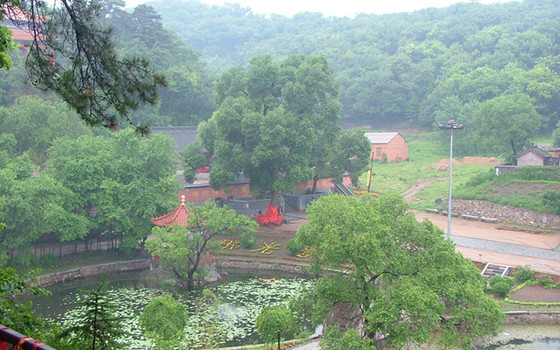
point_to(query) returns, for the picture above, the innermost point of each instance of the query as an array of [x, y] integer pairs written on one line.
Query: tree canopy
[[90, 186], [402, 275], [182, 249], [91, 54], [416, 68], [274, 322], [277, 123]]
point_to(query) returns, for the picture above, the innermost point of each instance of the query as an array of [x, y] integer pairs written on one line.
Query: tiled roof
[[179, 216], [535, 150], [183, 135], [381, 137]]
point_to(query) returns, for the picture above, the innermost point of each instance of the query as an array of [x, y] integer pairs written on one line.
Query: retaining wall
[[532, 317], [93, 270]]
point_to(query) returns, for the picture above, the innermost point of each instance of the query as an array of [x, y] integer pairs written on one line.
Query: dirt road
[[490, 241]]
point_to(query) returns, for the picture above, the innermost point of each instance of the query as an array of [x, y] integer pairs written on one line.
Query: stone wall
[[505, 213], [257, 265], [93, 270], [532, 317]]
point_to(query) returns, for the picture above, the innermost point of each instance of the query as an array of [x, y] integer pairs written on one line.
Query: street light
[[452, 126]]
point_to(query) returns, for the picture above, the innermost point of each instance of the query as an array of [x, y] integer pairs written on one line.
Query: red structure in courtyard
[[270, 217]]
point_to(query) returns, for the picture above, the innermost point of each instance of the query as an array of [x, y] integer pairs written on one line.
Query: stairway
[[491, 270], [342, 189]]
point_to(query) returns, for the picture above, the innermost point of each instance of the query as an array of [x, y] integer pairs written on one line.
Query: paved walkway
[[491, 243], [314, 345]]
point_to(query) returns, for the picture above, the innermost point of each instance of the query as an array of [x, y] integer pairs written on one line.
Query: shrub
[[294, 246], [506, 279], [47, 260], [501, 288], [248, 240], [546, 281], [524, 274], [551, 200]]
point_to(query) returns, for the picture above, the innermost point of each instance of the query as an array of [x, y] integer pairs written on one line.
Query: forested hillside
[[493, 67]]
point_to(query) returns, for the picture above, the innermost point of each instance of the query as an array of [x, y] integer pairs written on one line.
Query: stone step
[[491, 270]]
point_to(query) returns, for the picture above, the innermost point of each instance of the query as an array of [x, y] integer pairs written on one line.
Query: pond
[[524, 337], [241, 299]]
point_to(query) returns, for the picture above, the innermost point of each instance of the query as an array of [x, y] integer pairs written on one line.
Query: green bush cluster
[[524, 274], [535, 173], [294, 246], [248, 240], [551, 200], [501, 285], [546, 281]]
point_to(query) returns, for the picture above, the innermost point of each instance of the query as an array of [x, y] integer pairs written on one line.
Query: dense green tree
[[274, 322], [120, 182], [141, 184], [504, 123], [274, 123], [164, 320], [193, 159], [33, 206], [182, 249], [402, 276], [97, 326], [36, 123]]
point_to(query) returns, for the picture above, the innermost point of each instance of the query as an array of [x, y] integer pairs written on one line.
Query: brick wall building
[[389, 146]]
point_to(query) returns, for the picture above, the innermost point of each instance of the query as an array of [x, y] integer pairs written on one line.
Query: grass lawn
[[424, 149]]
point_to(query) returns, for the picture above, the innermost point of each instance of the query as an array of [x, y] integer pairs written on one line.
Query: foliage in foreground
[[403, 276], [275, 322], [97, 325], [163, 320], [13, 313]]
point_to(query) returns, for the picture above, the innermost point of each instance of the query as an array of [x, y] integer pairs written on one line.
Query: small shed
[[533, 156], [388, 146]]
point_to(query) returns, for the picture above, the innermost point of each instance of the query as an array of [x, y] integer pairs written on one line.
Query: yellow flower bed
[[306, 253], [267, 249], [230, 244]]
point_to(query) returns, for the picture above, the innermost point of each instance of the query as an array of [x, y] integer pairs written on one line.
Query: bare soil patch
[[537, 294], [443, 164]]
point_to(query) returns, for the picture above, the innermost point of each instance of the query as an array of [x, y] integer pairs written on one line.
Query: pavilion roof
[[179, 216]]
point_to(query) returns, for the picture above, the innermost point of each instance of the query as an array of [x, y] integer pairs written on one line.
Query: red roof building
[[178, 216]]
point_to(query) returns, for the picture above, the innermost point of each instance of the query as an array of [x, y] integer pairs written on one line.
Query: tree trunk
[[274, 199], [513, 150], [278, 340], [315, 182]]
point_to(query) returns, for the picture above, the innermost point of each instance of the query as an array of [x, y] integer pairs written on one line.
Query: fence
[[300, 202], [10, 339]]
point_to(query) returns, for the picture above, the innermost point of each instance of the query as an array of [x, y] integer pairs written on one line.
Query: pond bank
[[92, 270], [227, 262]]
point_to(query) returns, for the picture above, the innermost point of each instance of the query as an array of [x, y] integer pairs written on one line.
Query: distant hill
[[419, 67]]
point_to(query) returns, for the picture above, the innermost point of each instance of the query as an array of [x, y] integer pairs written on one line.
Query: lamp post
[[370, 172], [452, 126]]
